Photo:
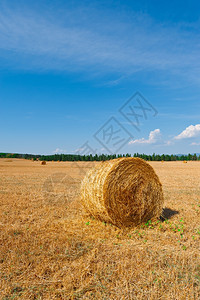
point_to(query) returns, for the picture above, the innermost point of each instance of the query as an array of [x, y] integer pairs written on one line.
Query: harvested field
[[51, 249]]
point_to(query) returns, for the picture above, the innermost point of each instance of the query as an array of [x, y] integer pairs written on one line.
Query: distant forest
[[101, 157]]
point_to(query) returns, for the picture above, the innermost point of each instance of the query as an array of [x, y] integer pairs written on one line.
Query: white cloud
[[168, 143], [190, 132], [78, 150], [59, 151], [153, 138], [195, 144]]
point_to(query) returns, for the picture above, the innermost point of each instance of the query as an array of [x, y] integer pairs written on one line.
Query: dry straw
[[124, 192], [43, 162]]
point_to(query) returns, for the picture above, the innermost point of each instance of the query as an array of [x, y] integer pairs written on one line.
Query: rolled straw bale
[[43, 162], [124, 192]]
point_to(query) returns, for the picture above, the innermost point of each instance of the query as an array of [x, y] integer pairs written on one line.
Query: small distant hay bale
[[124, 192], [185, 162], [43, 162]]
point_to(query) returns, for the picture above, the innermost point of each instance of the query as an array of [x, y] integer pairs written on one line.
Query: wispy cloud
[[154, 137], [195, 144], [59, 151], [37, 40], [190, 132], [168, 143], [79, 150]]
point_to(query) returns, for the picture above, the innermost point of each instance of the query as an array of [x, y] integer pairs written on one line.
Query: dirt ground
[[50, 248]]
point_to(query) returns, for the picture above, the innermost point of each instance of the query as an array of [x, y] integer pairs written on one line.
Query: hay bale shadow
[[168, 213]]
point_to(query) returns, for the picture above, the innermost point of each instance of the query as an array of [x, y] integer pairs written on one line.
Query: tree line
[[101, 157]]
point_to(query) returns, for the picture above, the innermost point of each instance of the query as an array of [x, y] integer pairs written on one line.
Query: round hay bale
[[124, 192], [43, 162]]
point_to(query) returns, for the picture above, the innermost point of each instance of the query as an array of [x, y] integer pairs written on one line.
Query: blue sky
[[68, 67]]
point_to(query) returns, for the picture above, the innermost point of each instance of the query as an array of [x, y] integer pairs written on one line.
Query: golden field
[[50, 248]]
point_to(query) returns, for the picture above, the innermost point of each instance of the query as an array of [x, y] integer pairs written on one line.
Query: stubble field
[[50, 248]]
